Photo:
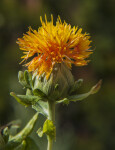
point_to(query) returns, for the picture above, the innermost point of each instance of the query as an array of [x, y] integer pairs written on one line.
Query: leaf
[[47, 85], [28, 92], [41, 107], [18, 138], [5, 134], [13, 129], [49, 128], [28, 78], [40, 132], [93, 90], [10, 129], [96, 88], [65, 101], [17, 142], [25, 100], [67, 74], [76, 85], [38, 92], [25, 79], [21, 79], [78, 97]]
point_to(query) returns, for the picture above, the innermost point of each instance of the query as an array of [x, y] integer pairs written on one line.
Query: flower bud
[[58, 85]]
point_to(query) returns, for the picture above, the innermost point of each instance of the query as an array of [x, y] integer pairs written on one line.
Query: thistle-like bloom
[[54, 44]]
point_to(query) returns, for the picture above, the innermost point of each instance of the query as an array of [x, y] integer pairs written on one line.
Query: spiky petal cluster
[[54, 44]]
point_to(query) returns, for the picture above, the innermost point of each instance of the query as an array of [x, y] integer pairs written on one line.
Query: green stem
[[51, 116], [50, 143]]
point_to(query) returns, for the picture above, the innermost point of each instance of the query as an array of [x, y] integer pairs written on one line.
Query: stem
[[51, 116], [50, 143]]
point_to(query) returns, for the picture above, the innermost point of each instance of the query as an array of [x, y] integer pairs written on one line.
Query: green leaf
[[6, 134], [25, 79], [18, 138], [10, 129], [25, 100], [13, 129], [28, 92], [47, 85], [67, 74], [28, 78], [96, 88], [41, 107], [27, 144], [76, 85], [22, 79], [93, 90], [65, 101], [38, 92], [49, 128], [17, 142], [79, 97], [40, 132]]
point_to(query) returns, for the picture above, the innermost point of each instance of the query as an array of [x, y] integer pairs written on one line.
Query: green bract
[[59, 87]]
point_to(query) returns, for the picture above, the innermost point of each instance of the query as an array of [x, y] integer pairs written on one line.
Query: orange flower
[[54, 44]]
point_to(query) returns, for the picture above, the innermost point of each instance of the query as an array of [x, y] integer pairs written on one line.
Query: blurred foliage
[[89, 124]]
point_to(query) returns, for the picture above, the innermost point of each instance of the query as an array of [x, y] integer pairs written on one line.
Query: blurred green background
[[85, 125]]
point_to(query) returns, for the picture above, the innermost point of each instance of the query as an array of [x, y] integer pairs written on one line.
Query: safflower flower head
[[57, 48], [54, 44]]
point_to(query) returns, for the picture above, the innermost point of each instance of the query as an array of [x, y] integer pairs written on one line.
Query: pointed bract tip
[[96, 88]]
